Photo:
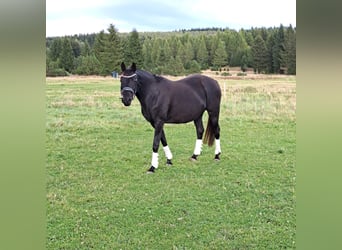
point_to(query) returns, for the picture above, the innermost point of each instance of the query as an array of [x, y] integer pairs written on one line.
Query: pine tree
[[290, 50], [147, 58], [155, 55], [269, 47], [220, 55], [248, 37], [229, 38], [178, 68], [202, 54], [55, 49], [76, 47], [259, 52], [133, 49], [85, 49], [278, 50], [67, 56], [189, 50], [164, 56], [113, 51], [173, 41], [99, 50], [181, 53], [212, 45], [88, 65], [108, 50]]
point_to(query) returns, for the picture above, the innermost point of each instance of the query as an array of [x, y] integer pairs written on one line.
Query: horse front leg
[[158, 130]]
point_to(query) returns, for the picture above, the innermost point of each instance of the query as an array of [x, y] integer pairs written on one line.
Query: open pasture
[[98, 195]]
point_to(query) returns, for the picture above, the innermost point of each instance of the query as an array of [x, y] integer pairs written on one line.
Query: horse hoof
[[217, 157], [168, 162], [193, 158], [151, 170]]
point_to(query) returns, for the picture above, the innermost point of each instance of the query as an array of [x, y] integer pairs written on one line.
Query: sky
[[70, 17]]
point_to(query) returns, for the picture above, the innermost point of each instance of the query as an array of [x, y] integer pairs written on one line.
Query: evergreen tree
[[193, 67], [189, 50], [259, 52], [108, 50], [173, 41], [228, 38], [270, 43], [178, 68], [164, 56], [133, 49], [76, 47], [85, 49], [202, 54], [55, 49], [278, 50], [290, 50], [220, 55], [88, 65], [212, 45], [147, 58], [181, 52], [113, 51], [247, 36], [67, 55], [155, 55], [99, 50]]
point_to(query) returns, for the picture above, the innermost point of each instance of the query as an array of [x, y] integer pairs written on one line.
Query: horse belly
[[185, 110]]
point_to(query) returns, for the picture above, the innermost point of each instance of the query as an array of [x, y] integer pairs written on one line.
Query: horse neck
[[145, 88]]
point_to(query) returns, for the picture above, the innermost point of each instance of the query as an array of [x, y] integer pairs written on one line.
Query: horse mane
[[151, 76], [158, 78]]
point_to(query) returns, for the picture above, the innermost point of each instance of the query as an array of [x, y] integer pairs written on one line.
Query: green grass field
[[99, 197]]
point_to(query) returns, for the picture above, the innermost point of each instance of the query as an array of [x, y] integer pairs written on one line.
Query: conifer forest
[[182, 52]]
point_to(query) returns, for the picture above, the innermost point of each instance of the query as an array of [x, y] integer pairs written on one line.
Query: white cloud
[[69, 17], [248, 13], [79, 25], [53, 6]]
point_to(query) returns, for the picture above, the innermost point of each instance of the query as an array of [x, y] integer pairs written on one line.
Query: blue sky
[[69, 17]]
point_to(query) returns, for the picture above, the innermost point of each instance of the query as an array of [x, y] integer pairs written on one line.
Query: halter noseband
[[129, 88]]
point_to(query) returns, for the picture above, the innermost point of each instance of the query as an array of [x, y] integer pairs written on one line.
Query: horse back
[[186, 99], [205, 85]]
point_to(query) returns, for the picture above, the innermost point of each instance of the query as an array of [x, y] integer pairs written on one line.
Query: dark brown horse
[[164, 101]]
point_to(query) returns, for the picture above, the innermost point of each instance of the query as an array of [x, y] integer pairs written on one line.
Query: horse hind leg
[[216, 129], [213, 134], [166, 149], [198, 145]]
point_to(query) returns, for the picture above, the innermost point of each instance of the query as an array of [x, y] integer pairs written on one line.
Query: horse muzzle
[[126, 101], [127, 95]]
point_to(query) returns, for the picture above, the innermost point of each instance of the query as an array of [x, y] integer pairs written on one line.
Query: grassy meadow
[[99, 197]]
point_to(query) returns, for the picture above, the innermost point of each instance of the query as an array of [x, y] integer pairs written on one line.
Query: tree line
[[266, 50]]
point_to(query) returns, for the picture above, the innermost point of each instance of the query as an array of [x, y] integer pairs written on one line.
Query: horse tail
[[213, 95], [209, 136]]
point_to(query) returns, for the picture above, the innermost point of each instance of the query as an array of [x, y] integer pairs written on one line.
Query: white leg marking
[[198, 147], [154, 161], [217, 146], [167, 152]]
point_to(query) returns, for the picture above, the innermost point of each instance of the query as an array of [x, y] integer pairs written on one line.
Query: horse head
[[129, 83]]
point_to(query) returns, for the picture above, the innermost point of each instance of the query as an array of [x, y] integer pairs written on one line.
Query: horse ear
[[123, 66], [134, 67]]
